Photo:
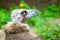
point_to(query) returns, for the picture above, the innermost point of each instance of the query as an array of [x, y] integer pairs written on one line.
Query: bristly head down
[[21, 15]]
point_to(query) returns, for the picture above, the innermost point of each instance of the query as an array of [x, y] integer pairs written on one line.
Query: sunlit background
[[46, 24]]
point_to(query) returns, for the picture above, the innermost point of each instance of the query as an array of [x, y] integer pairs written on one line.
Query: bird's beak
[[31, 13]]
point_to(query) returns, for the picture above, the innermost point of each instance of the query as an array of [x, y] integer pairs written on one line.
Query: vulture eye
[[24, 13]]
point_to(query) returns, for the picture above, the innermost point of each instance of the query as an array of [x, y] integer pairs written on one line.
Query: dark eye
[[24, 13]]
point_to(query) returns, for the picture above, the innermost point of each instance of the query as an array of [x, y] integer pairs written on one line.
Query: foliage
[[51, 11], [13, 8], [26, 6], [4, 17]]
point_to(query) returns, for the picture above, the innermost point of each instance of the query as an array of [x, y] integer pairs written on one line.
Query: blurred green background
[[46, 24]]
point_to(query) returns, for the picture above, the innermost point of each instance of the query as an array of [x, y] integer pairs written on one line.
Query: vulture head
[[21, 15]]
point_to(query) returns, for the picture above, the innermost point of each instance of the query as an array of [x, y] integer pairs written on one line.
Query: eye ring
[[24, 13]]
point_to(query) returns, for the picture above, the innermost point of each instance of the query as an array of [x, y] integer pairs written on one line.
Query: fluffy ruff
[[14, 27]]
